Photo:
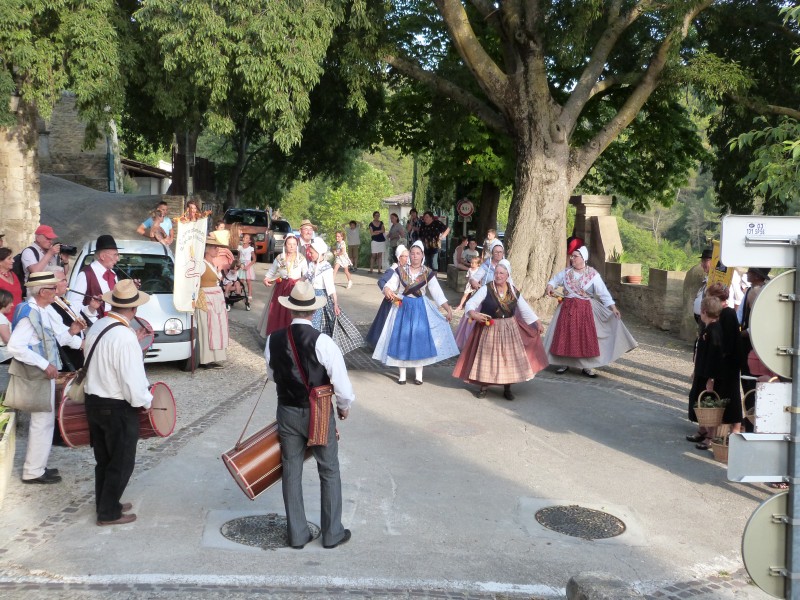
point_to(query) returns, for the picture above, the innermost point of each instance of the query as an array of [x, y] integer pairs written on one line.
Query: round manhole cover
[[262, 531], [581, 522]]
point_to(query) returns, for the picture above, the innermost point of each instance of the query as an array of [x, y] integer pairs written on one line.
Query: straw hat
[[302, 298], [307, 223], [41, 278], [216, 238], [125, 295]]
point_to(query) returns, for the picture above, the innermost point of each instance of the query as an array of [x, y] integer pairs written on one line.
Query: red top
[[14, 287]]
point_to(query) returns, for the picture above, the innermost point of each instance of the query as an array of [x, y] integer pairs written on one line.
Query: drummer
[[116, 389]]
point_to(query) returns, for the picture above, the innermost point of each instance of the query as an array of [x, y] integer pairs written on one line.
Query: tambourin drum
[[159, 422], [147, 341], [255, 463]]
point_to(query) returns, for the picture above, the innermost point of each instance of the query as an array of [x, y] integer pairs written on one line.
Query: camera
[[68, 250]]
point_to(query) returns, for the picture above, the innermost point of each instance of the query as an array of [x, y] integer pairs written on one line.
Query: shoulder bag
[[319, 400], [29, 389], [76, 391]]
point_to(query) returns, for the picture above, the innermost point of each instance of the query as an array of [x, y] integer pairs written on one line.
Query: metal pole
[[793, 539]]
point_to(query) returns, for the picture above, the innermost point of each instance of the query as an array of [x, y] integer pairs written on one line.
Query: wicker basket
[[720, 450], [708, 417]]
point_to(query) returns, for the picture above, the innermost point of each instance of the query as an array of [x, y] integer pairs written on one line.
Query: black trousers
[[429, 254], [114, 433]]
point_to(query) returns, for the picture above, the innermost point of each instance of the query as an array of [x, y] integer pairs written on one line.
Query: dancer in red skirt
[[289, 267], [587, 331]]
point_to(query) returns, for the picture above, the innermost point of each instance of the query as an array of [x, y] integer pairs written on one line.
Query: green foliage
[[398, 167], [641, 247]]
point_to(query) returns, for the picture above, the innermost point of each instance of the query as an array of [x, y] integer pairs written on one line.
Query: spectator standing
[[431, 233], [42, 255], [8, 279], [353, 243], [158, 220], [705, 264], [378, 244], [488, 243], [396, 233], [412, 226]]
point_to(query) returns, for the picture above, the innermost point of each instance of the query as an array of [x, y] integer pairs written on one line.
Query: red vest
[[92, 290]]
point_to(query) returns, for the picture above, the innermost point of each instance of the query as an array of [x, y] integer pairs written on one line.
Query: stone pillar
[[19, 182], [595, 225]]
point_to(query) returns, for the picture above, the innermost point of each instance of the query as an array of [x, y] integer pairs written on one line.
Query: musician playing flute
[[287, 269], [97, 278], [116, 390]]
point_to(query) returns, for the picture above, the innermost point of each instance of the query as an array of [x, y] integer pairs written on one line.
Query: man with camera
[[42, 255]]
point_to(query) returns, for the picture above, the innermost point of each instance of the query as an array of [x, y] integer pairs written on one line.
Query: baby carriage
[[235, 288]]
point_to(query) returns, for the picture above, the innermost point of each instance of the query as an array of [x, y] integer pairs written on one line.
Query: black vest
[[71, 358], [291, 389]]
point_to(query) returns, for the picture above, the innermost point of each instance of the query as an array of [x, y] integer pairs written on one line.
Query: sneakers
[[247, 306], [349, 284], [228, 307]]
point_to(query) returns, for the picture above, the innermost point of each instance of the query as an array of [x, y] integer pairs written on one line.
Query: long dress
[[415, 333], [509, 350], [275, 316], [212, 323], [584, 332], [485, 275], [340, 328], [378, 322]]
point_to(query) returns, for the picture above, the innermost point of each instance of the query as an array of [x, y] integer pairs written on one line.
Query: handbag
[[76, 391], [29, 389], [319, 400]]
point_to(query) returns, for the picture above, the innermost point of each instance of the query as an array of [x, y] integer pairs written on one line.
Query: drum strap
[[239, 441]]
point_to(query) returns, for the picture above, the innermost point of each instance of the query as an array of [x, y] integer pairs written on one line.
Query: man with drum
[[116, 391], [321, 363]]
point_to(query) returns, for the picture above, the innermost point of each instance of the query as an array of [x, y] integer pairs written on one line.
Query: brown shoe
[[123, 520]]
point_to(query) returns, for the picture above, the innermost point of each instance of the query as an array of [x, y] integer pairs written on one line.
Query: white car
[[154, 265]]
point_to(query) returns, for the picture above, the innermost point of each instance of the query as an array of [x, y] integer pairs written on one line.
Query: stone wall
[[61, 150], [19, 183]]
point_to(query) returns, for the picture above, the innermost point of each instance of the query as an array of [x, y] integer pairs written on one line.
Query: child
[[248, 271], [6, 306], [342, 259], [474, 265], [491, 235], [470, 251], [232, 285]]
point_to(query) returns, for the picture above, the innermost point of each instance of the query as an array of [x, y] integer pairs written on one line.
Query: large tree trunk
[[535, 237], [487, 210], [19, 185]]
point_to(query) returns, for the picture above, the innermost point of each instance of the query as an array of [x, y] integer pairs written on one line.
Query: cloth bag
[[28, 389], [76, 391], [319, 400]]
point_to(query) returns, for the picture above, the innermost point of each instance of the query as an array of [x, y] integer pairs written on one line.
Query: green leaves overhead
[[267, 53]]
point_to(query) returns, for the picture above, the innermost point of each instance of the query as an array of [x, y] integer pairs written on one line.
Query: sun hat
[[303, 298], [400, 250], [46, 231], [126, 295], [41, 278], [307, 223], [760, 271], [214, 239]]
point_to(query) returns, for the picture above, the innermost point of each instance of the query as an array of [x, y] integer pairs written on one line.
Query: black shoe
[[507, 394], [301, 546], [46, 478], [697, 437], [50, 471], [561, 370], [589, 373], [344, 540], [482, 393], [401, 382]]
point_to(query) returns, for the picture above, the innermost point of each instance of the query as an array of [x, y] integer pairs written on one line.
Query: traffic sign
[[465, 207], [770, 324], [754, 457], [758, 241], [764, 545]]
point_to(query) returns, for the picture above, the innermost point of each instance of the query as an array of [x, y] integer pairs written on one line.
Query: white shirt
[[24, 335], [87, 314], [281, 269], [523, 307], [29, 259], [432, 286], [353, 236], [117, 367], [76, 299], [246, 256], [323, 280], [329, 356], [595, 286]]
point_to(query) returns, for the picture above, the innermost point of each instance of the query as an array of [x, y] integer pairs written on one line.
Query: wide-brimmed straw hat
[[303, 299], [218, 238], [41, 278], [126, 295], [307, 223]]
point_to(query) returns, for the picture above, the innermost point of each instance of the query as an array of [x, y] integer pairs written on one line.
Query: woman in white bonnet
[[587, 330]]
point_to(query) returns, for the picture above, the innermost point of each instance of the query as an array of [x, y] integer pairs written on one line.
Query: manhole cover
[[262, 531], [581, 522]]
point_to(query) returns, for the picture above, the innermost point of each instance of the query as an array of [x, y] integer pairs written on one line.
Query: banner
[[190, 245], [717, 272]]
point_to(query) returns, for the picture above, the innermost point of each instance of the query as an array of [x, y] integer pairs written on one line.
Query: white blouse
[[322, 278], [474, 303], [281, 269], [432, 286], [593, 287]]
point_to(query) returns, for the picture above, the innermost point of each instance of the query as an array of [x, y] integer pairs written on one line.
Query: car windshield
[[257, 218], [280, 226], [155, 271]]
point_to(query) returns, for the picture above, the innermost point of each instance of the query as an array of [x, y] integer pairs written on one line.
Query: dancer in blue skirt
[[415, 333]]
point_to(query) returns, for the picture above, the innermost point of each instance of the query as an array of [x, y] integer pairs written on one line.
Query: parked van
[[252, 221]]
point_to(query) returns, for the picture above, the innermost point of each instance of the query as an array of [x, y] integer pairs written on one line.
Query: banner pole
[[191, 340]]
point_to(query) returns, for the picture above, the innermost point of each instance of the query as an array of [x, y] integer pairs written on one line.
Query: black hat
[[105, 242], [706, 254], [760, 271]]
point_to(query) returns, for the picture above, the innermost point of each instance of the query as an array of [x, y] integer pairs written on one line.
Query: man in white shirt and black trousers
[[116, 389], [322, 363]]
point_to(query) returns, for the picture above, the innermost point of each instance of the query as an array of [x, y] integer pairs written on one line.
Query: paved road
[[441, 490]]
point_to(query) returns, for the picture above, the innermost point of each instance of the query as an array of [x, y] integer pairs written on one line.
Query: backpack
[[19, 270]]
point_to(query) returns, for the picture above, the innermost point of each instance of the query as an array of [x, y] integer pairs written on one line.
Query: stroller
[[235, 288]]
